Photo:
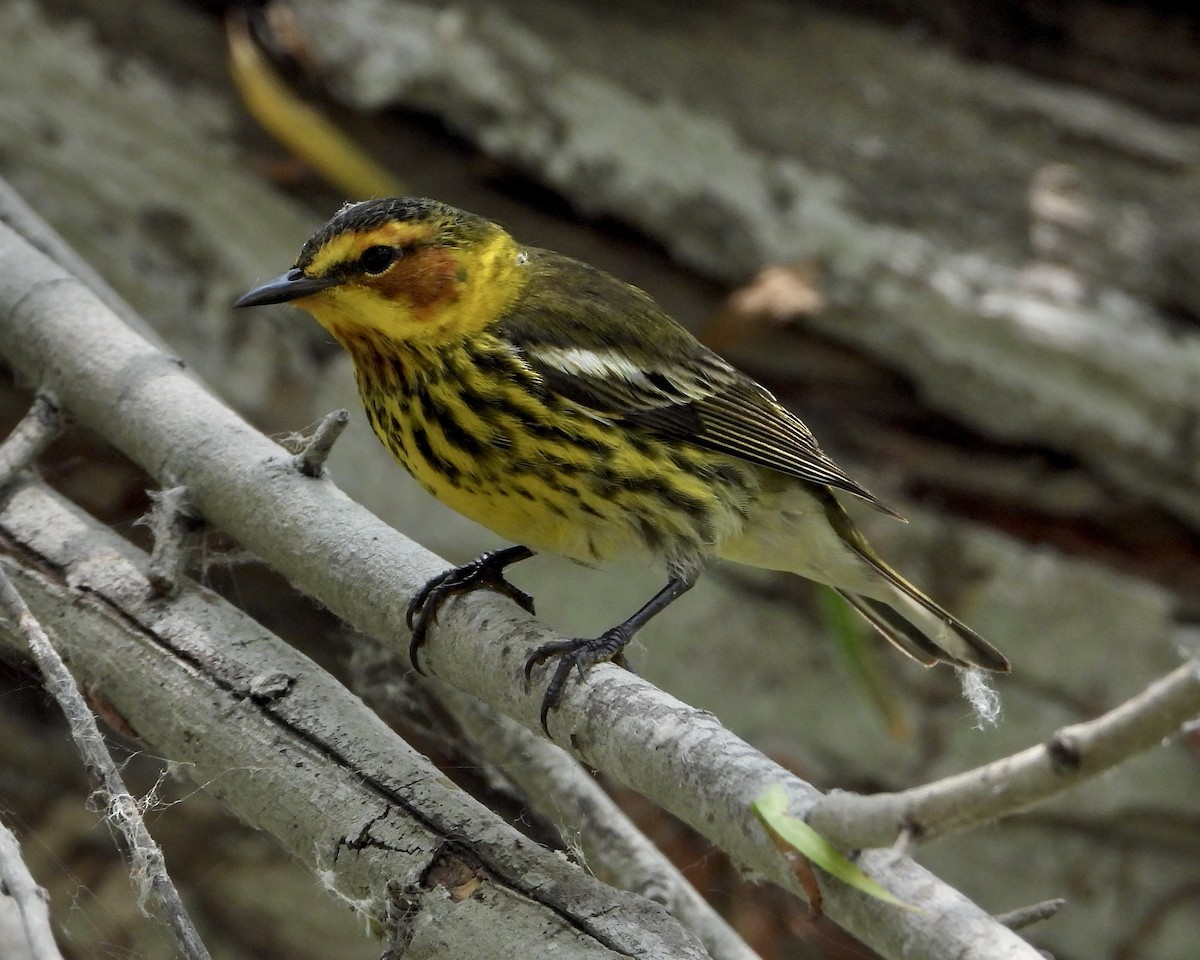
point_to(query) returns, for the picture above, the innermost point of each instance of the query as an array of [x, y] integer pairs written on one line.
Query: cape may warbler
[[564, 410]]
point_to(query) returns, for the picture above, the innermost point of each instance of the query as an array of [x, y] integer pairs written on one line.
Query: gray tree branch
[[1070, 756], [29, 439], [290, 751], [566, 795]]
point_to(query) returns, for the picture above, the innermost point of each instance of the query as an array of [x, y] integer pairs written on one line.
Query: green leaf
[[771, 810]]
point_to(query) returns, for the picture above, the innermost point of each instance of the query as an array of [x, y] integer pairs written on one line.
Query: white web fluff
[[979, 693]]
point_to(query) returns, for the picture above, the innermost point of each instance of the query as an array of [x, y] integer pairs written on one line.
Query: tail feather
[[824, 545], [922, 628], [896, 629], [916, 624]]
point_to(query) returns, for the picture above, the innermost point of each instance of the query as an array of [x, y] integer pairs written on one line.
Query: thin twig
[[173, 527], [149, 872], [311, 460], [30, 898], [1024, 917], [39, 428], [1070, 756]]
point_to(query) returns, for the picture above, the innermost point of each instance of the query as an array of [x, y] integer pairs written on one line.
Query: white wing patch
[[580, 361], [614, 365]]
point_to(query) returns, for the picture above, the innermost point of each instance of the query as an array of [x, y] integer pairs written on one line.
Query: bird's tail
[[924, 630], [915, 623]]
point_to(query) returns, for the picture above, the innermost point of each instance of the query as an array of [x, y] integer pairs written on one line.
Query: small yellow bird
[[561, 408]]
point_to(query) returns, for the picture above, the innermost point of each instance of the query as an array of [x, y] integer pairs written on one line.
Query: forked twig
[[148, 869]]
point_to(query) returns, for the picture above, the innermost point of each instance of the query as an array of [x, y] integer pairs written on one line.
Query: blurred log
[[1018, 249]]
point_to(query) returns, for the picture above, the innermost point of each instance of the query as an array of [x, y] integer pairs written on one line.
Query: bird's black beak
[[291, 286]]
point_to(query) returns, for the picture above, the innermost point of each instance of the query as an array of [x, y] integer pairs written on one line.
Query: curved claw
[[417, 604], [484, 571], [580, 653], [418, 623]]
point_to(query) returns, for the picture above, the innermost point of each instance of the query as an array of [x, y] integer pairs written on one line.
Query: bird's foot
[[484, 571], [578, 654]]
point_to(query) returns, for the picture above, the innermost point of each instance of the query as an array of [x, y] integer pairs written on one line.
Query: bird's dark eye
[[378, 258]]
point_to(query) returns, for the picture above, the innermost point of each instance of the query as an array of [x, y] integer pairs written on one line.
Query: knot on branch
[[1064, 752]]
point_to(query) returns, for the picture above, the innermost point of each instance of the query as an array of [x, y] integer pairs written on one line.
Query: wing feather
[[607, 346]]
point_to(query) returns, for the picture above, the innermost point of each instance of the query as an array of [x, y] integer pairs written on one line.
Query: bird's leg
[[583, 652], [484, 571]]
